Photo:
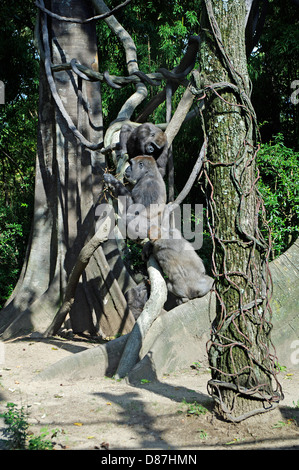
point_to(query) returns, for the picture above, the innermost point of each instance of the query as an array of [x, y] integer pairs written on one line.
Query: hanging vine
[[257, 312]]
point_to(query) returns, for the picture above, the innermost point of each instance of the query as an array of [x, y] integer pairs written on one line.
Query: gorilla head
[[140, 167], [146, 139], [148, 185]]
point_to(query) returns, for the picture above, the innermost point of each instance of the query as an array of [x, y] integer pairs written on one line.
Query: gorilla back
[[186, 275], [148, 185], [147, 199]]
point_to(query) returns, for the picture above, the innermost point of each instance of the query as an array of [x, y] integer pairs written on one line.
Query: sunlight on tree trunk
[[67, 189], [239, 351]]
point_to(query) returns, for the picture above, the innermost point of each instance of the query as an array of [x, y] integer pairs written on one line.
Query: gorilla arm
[[118, 188]]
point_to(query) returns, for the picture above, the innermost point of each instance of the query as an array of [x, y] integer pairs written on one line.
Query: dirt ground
[[102, 413]]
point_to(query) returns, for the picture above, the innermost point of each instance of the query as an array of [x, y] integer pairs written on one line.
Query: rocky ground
[[102, 413]]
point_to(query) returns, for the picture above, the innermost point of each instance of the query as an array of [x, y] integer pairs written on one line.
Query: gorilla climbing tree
[[72, 274]]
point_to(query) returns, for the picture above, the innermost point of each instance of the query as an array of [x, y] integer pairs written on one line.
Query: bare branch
[[179, 115], [171, 206], [131, 59], [97, 76], [78, 20]]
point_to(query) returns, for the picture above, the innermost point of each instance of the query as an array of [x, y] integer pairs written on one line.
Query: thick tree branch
[[85, 254], [151, 311], [52, 85], [179, 115]]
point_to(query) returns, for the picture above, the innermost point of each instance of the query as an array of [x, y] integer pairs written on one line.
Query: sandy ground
[[102, 413]]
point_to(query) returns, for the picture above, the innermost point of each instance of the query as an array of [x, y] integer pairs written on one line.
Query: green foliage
[[17, 151], [273, 66], [17, 425], [202, 434], [18, 64], [10, 241], [41, 442], [133, 257], [194, 408], [279, 186], [160, 30], [19, 70], [16, 420]]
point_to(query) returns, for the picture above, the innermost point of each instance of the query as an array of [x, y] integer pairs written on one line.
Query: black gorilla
[[147, 198], [137, 297], [185, 271], [146, 139]]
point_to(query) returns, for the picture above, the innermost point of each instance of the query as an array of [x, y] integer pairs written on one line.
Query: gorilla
[[146, 200], [186, 277], [146, 139], [137, 297]]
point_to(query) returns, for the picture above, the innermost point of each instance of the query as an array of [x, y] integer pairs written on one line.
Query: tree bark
[[67, 189], [240, 347]]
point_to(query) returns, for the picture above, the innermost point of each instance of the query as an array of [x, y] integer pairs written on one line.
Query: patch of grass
[[282, 424], [196, 365], [234, 441], [202, 434], [145, 381], [194, 408], [17, 434], [280, 367]]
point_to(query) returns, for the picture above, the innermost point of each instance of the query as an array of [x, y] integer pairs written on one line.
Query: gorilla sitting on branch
[[145, 203]]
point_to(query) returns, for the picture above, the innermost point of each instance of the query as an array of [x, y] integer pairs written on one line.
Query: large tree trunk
[[67, 189], [240, 348]]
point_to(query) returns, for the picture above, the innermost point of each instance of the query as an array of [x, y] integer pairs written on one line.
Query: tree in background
[[18, 121], [273, 68]]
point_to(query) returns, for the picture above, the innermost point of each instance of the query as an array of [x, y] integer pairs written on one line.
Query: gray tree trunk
[[67, 189], [240, 348]]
